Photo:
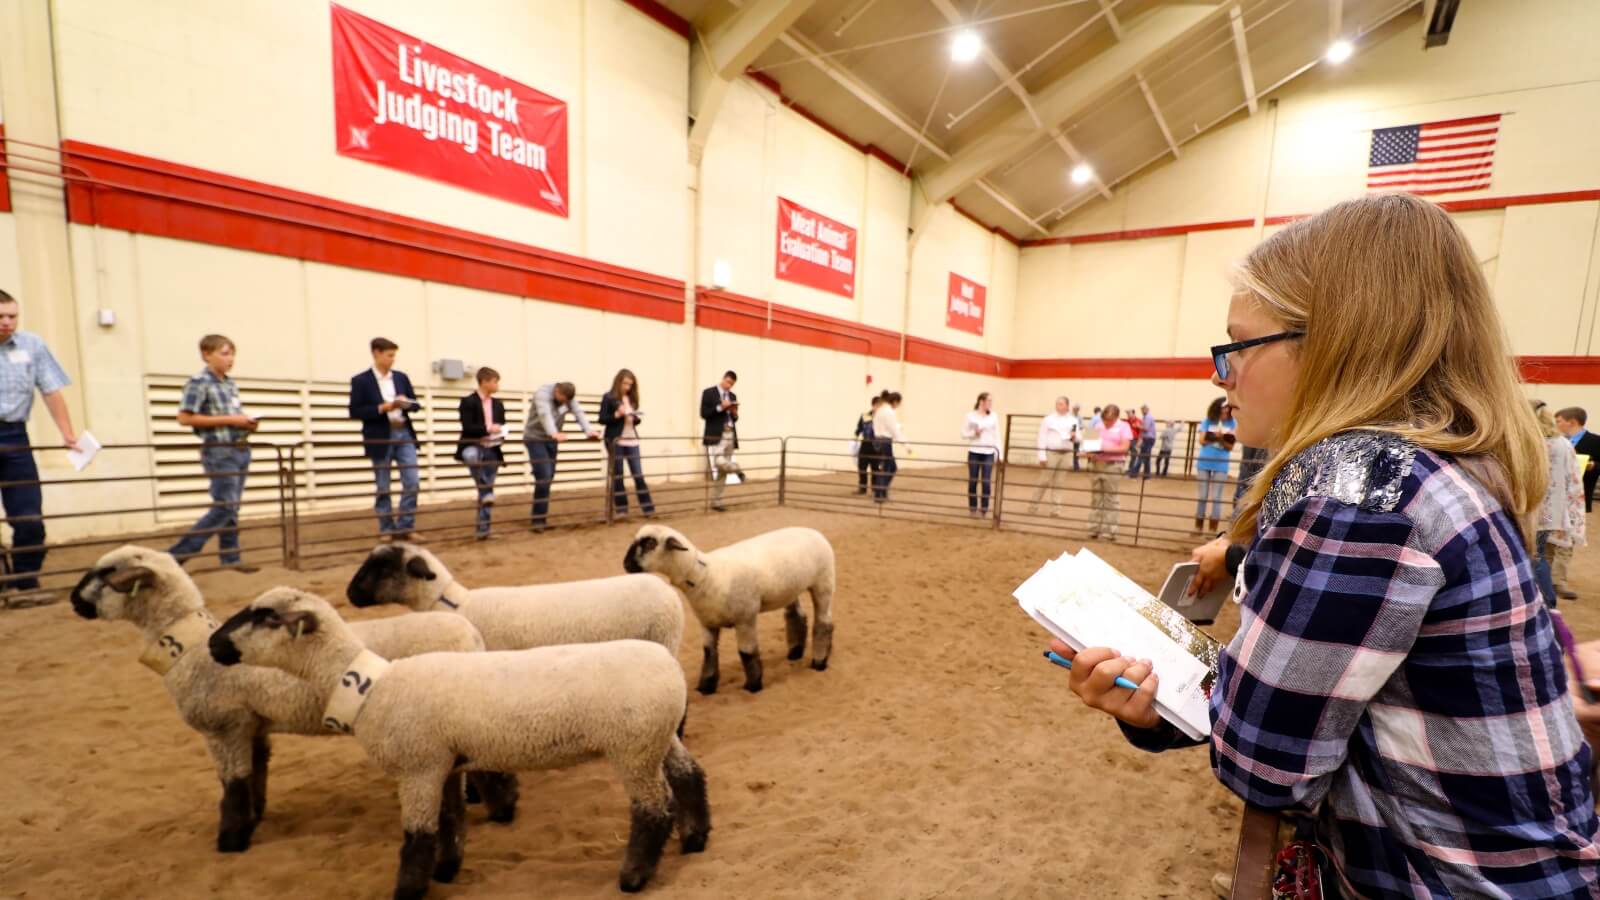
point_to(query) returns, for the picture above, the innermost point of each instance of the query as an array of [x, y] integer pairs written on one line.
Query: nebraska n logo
[[358, 138]]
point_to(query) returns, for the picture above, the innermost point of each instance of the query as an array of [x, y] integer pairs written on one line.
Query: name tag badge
[[18, 357]]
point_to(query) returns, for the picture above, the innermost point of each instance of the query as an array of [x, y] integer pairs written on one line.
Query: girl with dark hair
[[982, 430], [886, 429], [619, 416], [1211, 469]]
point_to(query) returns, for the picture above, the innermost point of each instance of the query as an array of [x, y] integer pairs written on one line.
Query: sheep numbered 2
[[730, 586], [235, 710], [426, 720]]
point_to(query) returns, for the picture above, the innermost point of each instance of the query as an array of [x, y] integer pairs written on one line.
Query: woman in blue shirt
[[1211, 469]]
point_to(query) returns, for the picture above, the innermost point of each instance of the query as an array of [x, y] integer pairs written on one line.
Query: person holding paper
[[982, 431], [886, 426], [26, 365], [1574, 423], [211, 407], [483, 435], [551, 405], [1396, 680], [1211, 468], [1561, 515], [719, 407], [1105, 493], [619, 416], [382, 398], [1058, 435]]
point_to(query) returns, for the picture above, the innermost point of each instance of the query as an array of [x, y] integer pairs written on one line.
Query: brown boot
[[1215, 527], [1199, 526]]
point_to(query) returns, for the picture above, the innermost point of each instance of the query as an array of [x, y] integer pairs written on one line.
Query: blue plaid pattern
[[1396, 677], [207, 395], [25, 364]]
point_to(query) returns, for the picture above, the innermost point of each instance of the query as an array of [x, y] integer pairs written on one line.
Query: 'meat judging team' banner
[[964, 305], [815, 251], [402, 103]]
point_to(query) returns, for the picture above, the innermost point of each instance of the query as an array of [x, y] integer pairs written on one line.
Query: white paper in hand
[[88, 448], [733, 478]]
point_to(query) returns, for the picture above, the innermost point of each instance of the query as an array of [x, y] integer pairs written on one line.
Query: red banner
[[405, 104], [815, 251], [964, 305]]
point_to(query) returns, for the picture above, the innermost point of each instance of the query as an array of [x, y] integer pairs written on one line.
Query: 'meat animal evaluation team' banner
[[815, 251], [402, 103], [964, 305]]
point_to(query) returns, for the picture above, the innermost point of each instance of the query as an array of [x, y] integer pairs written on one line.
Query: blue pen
[[1065, 663]]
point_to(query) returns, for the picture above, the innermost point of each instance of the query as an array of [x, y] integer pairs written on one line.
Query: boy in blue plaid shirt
[[211, 407]]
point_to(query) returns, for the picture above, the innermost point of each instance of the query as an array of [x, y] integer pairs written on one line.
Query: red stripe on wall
[[1200, 368], [1522, 200], [924, 352], [663, 15], [1560, 369], [5, 182], [150, 196], [724, 311]]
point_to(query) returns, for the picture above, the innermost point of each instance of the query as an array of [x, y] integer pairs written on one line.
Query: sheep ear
[[675, 544], [417, 567], [299, 624], [126, 580]]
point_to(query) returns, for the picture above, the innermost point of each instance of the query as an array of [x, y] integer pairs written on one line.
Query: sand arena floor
[[939, 756]]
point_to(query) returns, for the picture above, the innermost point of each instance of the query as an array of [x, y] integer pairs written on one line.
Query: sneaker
[[482, 536], [718, 507], [1565, 594], [537, 529], [242, 568], [486, 499]]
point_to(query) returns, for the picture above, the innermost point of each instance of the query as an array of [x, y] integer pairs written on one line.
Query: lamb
[[518, 618], [236, 709], [426, 720], [730, 586]]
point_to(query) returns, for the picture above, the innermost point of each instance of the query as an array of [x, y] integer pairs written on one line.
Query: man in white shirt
[[1058, 436]]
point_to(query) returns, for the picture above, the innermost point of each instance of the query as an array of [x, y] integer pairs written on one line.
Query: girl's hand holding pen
[[1093, 677]]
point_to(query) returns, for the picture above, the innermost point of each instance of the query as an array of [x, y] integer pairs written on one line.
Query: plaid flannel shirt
[[1396, 676], [207, 395]]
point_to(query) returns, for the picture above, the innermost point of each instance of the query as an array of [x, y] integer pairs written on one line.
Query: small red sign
[[403, 103], [964, 305], [815, 251]]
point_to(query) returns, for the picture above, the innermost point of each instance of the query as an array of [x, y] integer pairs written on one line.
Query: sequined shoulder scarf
[[1363, 468]]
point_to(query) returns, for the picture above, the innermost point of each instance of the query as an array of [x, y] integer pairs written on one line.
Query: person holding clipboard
[[1217, 440], [382, 399], [719, 407], [1376, 690]]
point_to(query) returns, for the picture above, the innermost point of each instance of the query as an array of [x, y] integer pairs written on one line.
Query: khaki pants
[[1558, 557], [1105, 497], [719, 465], [1055, 466]]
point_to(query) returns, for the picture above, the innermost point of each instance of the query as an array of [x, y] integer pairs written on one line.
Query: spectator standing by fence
[[866, 446], [1106, 464], [982, 430], [1077, 437], [483, 432], [1561, 522], [26, 365], [719, 407], [1147, 442], [1168, 437], [619, 416], [886, 427], [551, 405], [382, 399], [1574, 423], [1216, 451], [211, 407], [1058, 434]]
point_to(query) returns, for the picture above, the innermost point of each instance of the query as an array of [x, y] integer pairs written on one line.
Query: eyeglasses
[[1221, 352]]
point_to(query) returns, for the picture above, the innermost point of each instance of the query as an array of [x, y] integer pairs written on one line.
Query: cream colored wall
[[953, 243], [1166, 296]]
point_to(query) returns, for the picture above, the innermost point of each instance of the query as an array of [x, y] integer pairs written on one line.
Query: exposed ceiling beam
[[722, 53], [1242, 51], [1335, 20], [850, 18], [1064, 98], [1161, 121], [998, 67], [1011, 206], [858, 89], [1076, 155], [1107, 9]]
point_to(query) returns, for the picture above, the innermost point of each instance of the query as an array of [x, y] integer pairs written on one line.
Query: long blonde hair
[[1547, 419], [1400, 336]]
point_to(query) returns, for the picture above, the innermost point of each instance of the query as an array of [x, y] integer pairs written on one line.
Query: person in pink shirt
[[1106, 465]]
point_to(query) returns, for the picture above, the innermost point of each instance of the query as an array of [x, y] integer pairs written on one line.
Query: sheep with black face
[[730, 586], [426, 720], [236, 709], [517, 618]]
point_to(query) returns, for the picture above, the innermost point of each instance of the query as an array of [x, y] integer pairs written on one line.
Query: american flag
[[1434, 157]]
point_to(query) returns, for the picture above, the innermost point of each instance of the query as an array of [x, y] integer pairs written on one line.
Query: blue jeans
[[542, 456], [1210, 483], [24, 505], [1541, 570], [483, 471], [619, 490], [403, 455], [226, 465], [884, 451], [980, 467], [1141, 463]]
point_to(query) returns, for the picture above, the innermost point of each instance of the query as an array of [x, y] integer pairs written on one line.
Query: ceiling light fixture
[[1339, 51], [1081, 173], [966, 46]]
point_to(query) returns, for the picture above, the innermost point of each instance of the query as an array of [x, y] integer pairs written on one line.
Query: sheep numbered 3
[[426, 720], [730, 586], [236, 710]]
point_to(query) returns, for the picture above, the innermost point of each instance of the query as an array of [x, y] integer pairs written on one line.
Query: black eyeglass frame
[[1221, 352]]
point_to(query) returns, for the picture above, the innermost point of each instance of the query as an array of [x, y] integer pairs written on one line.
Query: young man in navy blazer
[[382, 398], [719, 406], [483, 431]]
